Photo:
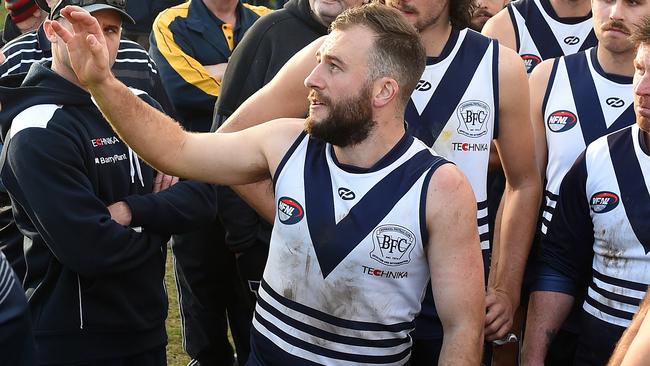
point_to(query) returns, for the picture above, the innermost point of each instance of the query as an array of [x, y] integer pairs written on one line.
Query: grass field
[[175, 354]]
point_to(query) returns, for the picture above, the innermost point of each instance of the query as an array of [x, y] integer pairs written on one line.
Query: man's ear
[[385, 91], [49, 32]]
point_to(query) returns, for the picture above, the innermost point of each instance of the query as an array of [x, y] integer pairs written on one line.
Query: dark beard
[[348, 123]]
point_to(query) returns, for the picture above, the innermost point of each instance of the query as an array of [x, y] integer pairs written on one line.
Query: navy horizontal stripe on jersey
[[320, 333], [327, 318], [330, 353]]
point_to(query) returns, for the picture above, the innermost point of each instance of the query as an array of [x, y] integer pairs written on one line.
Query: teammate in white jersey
[[543, 29], [612, 173], [470, 93], [575, 100], [372, 48]]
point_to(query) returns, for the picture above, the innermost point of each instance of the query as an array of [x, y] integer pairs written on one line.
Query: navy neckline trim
[[446, 51], [616, 78], [548, 8], [397, 151], [644, 147]]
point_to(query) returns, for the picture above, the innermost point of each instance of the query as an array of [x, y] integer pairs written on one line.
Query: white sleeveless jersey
[[540, 34], [454, 109], [582, 103], [346, 270], [617, 186]]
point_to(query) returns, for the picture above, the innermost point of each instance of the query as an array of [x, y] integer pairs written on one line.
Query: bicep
[[241, 157], [538, 84], [515, 141], [453, 251]]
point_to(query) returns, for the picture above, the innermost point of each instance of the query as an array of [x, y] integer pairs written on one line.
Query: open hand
[[86, 45]]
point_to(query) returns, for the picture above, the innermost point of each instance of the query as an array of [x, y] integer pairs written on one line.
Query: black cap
[[92, 6]]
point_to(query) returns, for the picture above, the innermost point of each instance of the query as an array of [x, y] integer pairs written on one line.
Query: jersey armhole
[[513, 20], [286, 157], [495, 86], [549, 84]]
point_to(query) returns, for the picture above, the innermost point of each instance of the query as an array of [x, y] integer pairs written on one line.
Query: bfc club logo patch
[[560, 121], [393, 245], [602, 202], [473, 116], [290, 211], [530, 61]]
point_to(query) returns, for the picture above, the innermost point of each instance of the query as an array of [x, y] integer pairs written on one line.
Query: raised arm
[[456, 266], [216, 158], [520, 206], [285, 96]]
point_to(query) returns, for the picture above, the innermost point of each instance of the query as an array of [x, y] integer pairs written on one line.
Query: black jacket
[[95, 288], [267, 46]]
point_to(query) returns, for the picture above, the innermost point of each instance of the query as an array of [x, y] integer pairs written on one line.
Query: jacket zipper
[[81, 313]]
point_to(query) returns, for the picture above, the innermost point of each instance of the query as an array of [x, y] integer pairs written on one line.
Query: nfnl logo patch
[[530, 61], [473, 116], [602, 202], [560, 121], [289, 211], [393, 245]]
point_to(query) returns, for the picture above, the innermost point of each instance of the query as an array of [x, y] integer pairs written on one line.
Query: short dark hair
[[641, 32], [397, 49]]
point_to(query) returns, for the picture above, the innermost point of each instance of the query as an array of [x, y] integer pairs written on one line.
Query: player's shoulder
[[501, 28], [542, 72]]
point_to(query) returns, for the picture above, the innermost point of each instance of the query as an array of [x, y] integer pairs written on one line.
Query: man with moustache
[[575, 100], [598, 242], [335, 288], [485, 9], [543, 29]]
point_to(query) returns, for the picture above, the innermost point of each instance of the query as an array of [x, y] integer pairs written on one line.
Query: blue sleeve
[[564, 264], [183, 207], [47, 178]]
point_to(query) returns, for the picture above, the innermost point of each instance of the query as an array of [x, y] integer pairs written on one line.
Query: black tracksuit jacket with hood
[[95, 288]]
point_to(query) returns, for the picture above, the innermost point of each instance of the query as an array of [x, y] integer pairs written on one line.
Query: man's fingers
[[63, 33], [500, 333], [157, 182]]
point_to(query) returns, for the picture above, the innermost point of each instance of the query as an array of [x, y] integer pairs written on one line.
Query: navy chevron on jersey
[[582, 103], [540, 34], [600, 236], [454, 110], [347, 269]]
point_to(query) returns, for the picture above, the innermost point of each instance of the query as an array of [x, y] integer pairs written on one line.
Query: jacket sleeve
[[567, 249], [183, 207], [47, 178]]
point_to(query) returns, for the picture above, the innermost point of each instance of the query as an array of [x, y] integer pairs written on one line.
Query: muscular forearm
[[513, 239], [154, 136], [462, 345], [546, 312], [630, 341]]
